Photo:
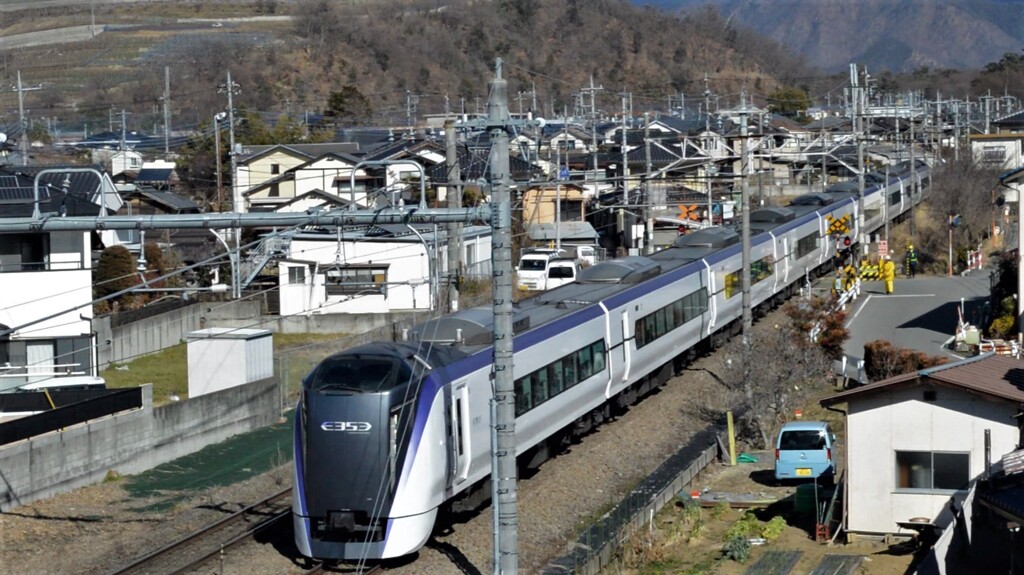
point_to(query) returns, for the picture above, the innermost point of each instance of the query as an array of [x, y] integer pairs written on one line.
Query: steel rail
[[142, 564]]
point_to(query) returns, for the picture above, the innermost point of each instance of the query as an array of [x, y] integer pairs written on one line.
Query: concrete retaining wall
[[130, 442], [127, 342]]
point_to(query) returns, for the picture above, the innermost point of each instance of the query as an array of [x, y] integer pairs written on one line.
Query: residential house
[[381, 269], [46, 278], [258, 165], [330, 173], [146, 200], [542, 202], [1003, 147], [985, 535], [917, 441]]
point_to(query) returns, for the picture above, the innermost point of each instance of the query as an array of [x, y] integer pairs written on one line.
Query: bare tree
[[786, 364]]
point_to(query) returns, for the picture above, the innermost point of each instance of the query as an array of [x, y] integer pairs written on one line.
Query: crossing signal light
[[847, 242]]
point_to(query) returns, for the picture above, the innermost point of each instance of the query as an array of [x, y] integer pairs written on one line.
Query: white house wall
[[408, 277], [322, 174], [880, 425], [33, 295]]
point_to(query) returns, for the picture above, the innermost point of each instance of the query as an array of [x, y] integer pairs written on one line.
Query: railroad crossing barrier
[[975, 261], [844, 298], [870, 271]]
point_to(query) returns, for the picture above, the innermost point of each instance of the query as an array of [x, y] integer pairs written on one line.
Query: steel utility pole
[[504, 436]]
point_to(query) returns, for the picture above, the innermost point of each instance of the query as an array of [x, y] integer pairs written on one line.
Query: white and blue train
[[386, 433]]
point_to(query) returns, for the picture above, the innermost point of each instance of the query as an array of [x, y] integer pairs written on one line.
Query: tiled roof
[[996, 376]]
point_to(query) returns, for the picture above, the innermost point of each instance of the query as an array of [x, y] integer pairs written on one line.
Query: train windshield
[[358, 375]]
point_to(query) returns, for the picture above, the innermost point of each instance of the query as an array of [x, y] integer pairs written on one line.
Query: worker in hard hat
[[911, 261], [888, 273]]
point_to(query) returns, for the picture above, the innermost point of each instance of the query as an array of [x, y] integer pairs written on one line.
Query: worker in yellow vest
[[888, 272]]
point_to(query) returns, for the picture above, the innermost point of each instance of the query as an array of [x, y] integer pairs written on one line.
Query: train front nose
[[348, 455]]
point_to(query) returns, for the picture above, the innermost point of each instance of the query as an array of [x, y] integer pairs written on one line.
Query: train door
[[709, 325], [458, 434], [627, 336]]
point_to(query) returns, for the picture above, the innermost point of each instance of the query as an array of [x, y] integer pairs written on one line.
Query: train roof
[[471, 330]]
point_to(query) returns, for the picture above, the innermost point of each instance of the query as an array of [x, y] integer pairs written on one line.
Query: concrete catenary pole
[[748, 318], [858, 98], [167, 109], [648, 206], [504, 473], [23, 137], [913, 177], [454, 182], [236, 191]]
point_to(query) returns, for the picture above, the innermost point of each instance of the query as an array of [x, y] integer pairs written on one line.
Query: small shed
[[220, 358]]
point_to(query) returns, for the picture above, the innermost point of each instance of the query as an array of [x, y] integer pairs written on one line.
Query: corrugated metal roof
[[171, 200], [993, 375]]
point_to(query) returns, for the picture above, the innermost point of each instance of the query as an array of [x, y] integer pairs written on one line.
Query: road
[[920, 315]]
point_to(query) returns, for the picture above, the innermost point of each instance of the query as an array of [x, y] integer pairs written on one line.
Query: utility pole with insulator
[[454, 188], [231, 89], [593, 122]]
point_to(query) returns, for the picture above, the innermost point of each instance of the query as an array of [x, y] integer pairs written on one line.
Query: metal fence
[[599, 544], [30, 426]]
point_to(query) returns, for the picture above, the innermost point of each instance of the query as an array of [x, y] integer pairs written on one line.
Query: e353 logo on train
[[351, 426]]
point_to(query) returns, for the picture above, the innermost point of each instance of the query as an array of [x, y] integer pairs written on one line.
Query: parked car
[[804, 450]]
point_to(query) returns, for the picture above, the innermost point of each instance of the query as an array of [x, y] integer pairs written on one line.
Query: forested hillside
[[383, 49], [374, 62]]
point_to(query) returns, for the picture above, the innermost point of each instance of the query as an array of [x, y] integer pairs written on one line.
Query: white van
[[543, 269]]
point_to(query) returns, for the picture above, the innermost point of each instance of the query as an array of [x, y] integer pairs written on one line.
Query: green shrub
[[737, 549], [747, 526], [720, 510], [770, 531]]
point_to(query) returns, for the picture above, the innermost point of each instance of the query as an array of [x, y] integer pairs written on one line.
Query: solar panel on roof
[[8, 181], [20, 195]]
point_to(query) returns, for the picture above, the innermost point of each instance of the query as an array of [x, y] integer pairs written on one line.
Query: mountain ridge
[[897, 36]]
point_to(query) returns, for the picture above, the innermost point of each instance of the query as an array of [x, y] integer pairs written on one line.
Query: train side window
[[539, 381], [586, 363], [523, 396], [679, 311], [640, 331], [569, 367], [662, 325], [598, 353], [557, 384]]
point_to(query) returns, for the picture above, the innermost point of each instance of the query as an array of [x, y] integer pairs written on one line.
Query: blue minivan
[[804, 450]]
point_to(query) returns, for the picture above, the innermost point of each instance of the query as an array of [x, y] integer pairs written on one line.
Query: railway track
[[197, 549]]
